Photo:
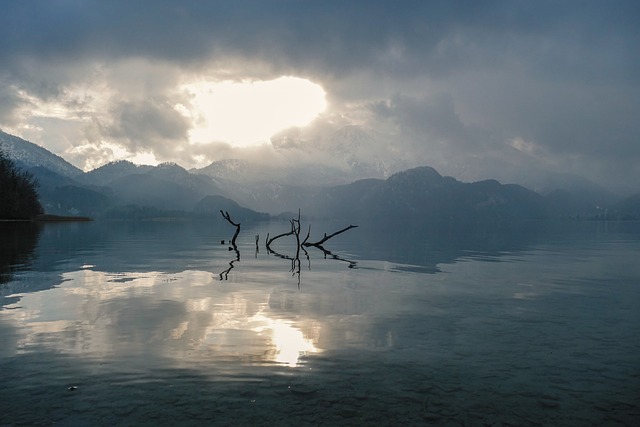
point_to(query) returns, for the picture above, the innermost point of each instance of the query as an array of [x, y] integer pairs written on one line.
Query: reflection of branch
[[257, 247], [295, 230], [270, 240], [295, 263], [295, 260], [325, 238], [352, 264], [225, 274], [306, 254], [304, 242]]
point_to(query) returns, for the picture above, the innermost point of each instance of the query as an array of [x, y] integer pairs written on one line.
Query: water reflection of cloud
[[186, 317], [102, 286]]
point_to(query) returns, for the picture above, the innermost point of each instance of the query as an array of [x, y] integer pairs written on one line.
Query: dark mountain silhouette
[[573, 196], [549, 182], [122, 188], [76, 200], [165, 187], [628, 209], [148, 190], [48, 178], [212, 205], [63, 195], [113, 170], [171, 172], [422, 193]]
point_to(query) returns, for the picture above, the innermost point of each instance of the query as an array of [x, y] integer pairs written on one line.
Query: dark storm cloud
[[462, 77], [149, 124], [432, 118], [336, 36]]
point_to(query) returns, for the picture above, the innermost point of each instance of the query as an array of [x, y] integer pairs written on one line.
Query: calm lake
[[148, 323]]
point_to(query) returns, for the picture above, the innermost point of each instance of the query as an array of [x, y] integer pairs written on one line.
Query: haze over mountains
[[355, 188]]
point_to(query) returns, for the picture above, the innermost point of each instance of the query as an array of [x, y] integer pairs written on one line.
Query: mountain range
[[122, 189]]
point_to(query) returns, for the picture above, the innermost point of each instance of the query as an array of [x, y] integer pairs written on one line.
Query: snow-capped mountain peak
[[30, 155]]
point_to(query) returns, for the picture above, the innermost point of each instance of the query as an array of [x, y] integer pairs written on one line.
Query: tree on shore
[[18, 195]]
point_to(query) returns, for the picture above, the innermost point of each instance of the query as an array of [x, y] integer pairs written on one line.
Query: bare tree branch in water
[[300, 246], [226, 216], [295, 261], [295, 230], [325, 238], [304, 242]]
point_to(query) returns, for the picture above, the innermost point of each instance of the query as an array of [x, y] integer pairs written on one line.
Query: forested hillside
[[18, 195]]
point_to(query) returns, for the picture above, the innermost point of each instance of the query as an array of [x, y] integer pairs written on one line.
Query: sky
[[478, 89]]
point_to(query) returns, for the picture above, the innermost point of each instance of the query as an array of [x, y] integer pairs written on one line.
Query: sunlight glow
[[248, 113], [98, 154], [289, 341]]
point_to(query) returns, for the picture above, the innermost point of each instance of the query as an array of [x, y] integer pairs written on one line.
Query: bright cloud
[[248, 113], [459, 88]]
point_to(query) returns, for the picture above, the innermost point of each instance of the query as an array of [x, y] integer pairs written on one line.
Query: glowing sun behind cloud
[[248, 113]]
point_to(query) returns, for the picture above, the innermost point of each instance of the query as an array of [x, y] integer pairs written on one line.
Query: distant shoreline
[[60, 218], [51, 218]]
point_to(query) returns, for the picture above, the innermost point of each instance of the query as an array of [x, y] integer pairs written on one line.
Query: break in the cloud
[[473, 88]]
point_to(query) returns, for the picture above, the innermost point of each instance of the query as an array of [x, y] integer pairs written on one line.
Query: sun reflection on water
[[288, 341]]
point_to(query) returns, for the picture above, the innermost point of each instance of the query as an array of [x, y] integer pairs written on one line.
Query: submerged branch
[[352, 264]]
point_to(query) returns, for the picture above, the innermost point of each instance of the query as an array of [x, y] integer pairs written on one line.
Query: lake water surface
[[154, 323]]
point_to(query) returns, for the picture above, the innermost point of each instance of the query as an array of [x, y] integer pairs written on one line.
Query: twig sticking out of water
[[226, 216]]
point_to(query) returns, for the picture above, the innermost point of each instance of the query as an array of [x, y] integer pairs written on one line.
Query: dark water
[[400, 324]]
